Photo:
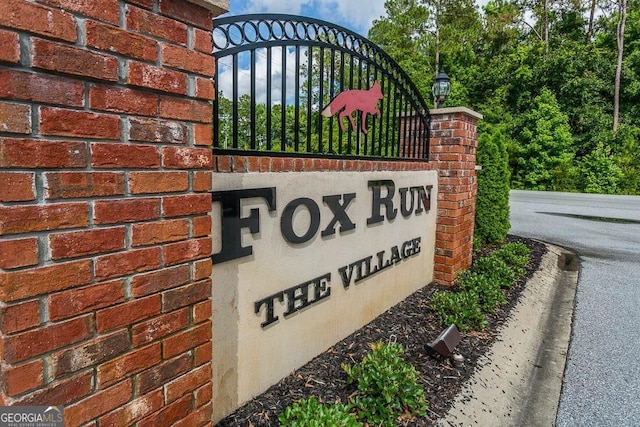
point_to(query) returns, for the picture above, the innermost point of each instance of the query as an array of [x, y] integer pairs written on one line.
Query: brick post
[[453, 153], [105, 179]]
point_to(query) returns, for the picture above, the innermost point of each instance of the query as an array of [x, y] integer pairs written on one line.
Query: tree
[[622, 19], [403, 34], [544, 157], [424, 35], [592, 14]]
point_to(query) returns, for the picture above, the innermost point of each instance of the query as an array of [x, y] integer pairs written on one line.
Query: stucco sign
[[301, 260]]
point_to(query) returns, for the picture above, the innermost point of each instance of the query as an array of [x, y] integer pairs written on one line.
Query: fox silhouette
[[349, 101]]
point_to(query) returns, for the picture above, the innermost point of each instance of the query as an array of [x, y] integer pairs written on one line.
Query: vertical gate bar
[[296, 119], [283, 100], [416, 137], [414, 129], [427, 137], [414, 141], [395, 131], [405, 130], [358, 121], [216, 109], [350, 131], [421, 137], [409, 126], [389, 117], [321, 100], [366, 136], [235, 100], [253, 99], [331, 94], [340, 133], [376, 119], [268, 109], [309, 95]]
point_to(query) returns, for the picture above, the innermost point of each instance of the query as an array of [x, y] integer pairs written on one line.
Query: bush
[[496, 270], [481, 288], [311, 413], [462, 308], [492, 200], [516, 255], [600, 172], [490, 295], [388, 386]]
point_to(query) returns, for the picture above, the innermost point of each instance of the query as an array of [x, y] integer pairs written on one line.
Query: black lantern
[[441, 88]]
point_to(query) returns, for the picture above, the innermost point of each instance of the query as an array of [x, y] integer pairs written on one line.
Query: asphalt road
[[602, 376]]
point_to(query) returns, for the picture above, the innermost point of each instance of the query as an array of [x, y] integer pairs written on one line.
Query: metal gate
[[296, 86]]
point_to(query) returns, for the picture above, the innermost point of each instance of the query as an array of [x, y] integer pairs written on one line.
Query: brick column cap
[[453, 110], [218, 7]]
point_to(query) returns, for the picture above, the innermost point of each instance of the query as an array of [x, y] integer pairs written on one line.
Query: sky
[[356, 15]]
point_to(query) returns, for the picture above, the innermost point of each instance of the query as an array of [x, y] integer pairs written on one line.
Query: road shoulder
[[518, 381]]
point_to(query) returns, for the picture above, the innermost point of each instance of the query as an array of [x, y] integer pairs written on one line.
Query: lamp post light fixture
[[441, 88]]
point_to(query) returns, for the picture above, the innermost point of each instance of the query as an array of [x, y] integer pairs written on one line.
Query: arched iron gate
[[276, 75]]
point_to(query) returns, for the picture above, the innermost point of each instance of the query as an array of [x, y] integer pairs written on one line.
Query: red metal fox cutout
[[352, 100]]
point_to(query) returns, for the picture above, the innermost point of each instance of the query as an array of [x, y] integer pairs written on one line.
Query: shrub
[[481, 288], [495, 269], [490, 295], [492, 200], [516, 255], [600, 172], [387, 385], [461, 308], [311, 413]]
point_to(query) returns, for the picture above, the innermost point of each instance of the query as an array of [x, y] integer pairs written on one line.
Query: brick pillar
[[105, 179], [453, 152]]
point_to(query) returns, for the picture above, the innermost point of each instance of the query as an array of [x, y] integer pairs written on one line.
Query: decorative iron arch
[[278, 73]]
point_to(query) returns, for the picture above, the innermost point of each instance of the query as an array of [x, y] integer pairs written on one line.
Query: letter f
[[232, 224]]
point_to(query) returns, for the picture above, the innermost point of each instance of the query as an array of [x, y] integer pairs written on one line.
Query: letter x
[[339, 211]]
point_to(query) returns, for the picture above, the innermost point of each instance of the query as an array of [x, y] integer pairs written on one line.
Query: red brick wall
[[105, 173], [454, 142], [239, 164]]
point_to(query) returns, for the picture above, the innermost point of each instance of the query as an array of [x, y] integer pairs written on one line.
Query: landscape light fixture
[[441, 88], [445, 342]]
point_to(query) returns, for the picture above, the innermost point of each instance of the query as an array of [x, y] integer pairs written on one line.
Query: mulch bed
[[411, 323]]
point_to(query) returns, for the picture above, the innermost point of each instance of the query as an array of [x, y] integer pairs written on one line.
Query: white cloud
[[293, 7], [356, 15], [225, 76]]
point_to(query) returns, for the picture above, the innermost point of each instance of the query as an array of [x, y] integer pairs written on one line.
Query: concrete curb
[[518, 382]]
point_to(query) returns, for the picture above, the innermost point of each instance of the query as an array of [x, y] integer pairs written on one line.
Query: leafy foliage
[[600, 172], [489, 292], [481, 288], [544, 76], [515, 255], [492, 200], [311, 413], [387, 386], [543, 159], [462, 308], [496, 269]]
